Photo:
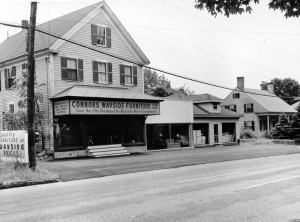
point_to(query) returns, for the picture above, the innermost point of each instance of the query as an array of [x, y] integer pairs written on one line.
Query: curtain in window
[[72, 69], [102, 72], [128, 75]]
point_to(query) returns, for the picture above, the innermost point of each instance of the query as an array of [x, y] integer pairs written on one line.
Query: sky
[[180, 39]]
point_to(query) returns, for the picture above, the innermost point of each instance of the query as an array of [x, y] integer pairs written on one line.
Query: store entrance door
[[103, 130]]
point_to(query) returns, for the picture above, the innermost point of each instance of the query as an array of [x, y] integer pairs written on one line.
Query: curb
[[26, 183]]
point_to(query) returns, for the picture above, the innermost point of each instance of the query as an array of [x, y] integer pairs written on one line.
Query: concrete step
[[109, 152], [106, 149], [104, 155], [103, 146]]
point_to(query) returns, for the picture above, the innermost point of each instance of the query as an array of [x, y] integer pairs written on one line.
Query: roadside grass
[[15, 171]]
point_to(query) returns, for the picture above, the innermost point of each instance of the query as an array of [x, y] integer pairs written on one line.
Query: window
[[11, 108], [9, 76], [24, 66], [128, 75], [101, 36], [249, 125], [236, 95], [248, 108], [71, 69], [231, 107], [215, 106], [102, 72]]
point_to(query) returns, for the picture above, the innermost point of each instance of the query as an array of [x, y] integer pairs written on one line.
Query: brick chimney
[[240, 83], [270, 88], [24, 23]]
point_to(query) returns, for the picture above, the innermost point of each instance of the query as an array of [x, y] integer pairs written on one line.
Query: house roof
[[15, 46], [200, 112], [295, 105], [270, 102], [198, 98], [98, 92]]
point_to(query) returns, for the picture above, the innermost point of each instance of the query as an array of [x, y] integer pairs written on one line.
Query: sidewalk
[[83, 168]]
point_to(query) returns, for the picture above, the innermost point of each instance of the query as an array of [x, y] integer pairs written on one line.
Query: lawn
[[11, 172]]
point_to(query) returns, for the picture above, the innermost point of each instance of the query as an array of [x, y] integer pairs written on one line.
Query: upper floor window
[[9, 76], [24, 66], [215, 106], [128, 75], [231, 107], [248, 108], [236, 95], [71, 69], [102, 72], [101, 36]]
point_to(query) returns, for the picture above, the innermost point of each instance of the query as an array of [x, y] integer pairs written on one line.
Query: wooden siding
[[118, 47], [244, 99], [9, 97]]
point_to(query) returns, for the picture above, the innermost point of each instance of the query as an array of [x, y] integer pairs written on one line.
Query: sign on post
[[14, 146]]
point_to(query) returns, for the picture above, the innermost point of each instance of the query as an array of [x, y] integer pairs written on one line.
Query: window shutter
[[245, 109], [108, 37], [122, 75], [234, 108], [95, 71], [6, 78], [23, 66], [64, 68], [253, 127], [0, 78], [80, 70], [109, 69], [134, 70], [252, 107], [94, 34], [13, 72]]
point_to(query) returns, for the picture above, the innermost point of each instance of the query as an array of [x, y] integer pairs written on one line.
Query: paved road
[[74, 169], [262, 189]]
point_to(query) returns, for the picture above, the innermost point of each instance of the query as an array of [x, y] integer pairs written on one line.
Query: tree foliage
[[159, 85], [156, 85], [284, 88], [290, 8], [18, 119]]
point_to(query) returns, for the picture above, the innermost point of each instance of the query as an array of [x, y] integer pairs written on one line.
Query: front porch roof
[[98, 92]]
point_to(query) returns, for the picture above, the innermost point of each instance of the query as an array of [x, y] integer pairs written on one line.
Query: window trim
[[248, 109], [236, 97], [8, 73], [107, 37], [9, 106], [133, 74], [248, 127], [79, 69], [215, 104]]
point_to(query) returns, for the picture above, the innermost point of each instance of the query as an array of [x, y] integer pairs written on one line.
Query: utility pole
[[30, 87]]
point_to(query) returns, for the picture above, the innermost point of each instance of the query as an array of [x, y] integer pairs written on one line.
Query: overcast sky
[[179, 38]]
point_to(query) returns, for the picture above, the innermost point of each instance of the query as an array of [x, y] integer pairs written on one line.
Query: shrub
[[245, 134]]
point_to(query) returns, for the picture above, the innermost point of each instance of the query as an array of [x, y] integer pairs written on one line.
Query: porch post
[[268, 123], [191, 143]]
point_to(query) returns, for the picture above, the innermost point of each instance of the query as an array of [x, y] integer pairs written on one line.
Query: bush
[[247, 135]]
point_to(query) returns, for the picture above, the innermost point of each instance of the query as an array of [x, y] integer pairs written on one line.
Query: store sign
[[14, 146], [84, 107], [61, 108]]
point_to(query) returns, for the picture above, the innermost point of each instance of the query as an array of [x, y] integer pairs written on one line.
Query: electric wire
[[146, 66]]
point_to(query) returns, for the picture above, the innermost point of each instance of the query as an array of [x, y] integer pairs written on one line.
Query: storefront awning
[[95, 100], [98, 92]]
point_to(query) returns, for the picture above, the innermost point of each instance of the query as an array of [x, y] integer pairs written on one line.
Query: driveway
[[83, 168]]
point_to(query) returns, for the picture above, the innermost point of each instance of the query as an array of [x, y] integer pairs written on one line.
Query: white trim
[[105, 37], [76, 28], [106, 69]]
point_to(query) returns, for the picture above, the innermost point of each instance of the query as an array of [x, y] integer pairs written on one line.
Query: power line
[[140, 64]]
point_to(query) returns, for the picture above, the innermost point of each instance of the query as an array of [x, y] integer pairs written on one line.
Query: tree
[[18, 120], [284, 88], [282, 128], [291, 8], [156, 85]]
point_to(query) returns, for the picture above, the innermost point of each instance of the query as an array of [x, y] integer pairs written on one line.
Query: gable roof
[[295, 105], [15, 46], [269, 101], [200, 112], [198, 98], [98, 92]]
